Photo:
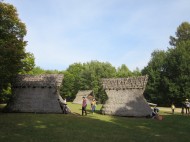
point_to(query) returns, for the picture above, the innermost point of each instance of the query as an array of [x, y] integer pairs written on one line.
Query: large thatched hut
[[38, 94], [125, 97], [84, 93]]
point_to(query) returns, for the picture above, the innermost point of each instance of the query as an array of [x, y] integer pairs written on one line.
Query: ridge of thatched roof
[[84, 92], [125, 83], [45, 80]]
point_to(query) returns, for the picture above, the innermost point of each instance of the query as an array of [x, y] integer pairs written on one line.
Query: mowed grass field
[[30, 127]]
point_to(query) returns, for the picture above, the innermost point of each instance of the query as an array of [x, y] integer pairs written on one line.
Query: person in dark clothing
[[187, 105], [63, 106], [183, 108], [155, 112], [84, 105]]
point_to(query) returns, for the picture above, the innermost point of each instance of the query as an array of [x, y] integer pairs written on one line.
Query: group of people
[[154, 114], [65, 109], [184, 109], [84, 105]]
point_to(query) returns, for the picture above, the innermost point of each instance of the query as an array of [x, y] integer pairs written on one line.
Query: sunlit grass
[[73, 127]]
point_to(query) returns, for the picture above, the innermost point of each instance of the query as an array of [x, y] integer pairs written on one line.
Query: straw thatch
[[84, 93], [36, 94], [125, 97]]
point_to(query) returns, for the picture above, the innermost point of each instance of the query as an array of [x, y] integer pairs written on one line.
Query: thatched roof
[[86, 93], [45, 80], [125, 83], [36, 94], [125, 96]]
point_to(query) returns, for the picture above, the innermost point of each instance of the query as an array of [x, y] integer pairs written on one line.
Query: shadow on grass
[[89, 111], [59, 127], [75, 128]]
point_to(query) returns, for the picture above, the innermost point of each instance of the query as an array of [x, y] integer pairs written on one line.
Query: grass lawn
[[30, 127]]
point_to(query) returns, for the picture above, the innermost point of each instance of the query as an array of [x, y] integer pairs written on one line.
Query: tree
[[12, 44], [86, 76], [136, 72], [154, 91], [123, 71], [169, 72], [28, 63], [93, 72], [67, 89], [182, 34], [37, 70], [177, 69]]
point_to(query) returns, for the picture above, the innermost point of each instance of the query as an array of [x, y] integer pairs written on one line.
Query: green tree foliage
[[12, 44], [154, 91], [169, 71], [136, 72], [177, 66], [28, 63], [182, 34], [123, 71], [76, 70], [37, 71], [86, 76], [67, 89]]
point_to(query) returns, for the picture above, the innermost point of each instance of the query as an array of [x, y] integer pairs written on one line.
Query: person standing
[[173, 108], [93, 106], [187, 106], [84, 105], [183, 108]]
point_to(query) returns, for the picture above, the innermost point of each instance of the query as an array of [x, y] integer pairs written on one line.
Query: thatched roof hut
[[125, 96], [86, 93], [38, 94]]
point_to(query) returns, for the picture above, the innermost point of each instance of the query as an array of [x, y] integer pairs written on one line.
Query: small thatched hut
[[36, 94], [86, 93], [125, 97]]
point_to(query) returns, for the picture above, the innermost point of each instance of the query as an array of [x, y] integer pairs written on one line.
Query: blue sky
[[62, 32]]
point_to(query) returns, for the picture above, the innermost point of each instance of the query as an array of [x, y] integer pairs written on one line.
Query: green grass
[[30, 127]]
